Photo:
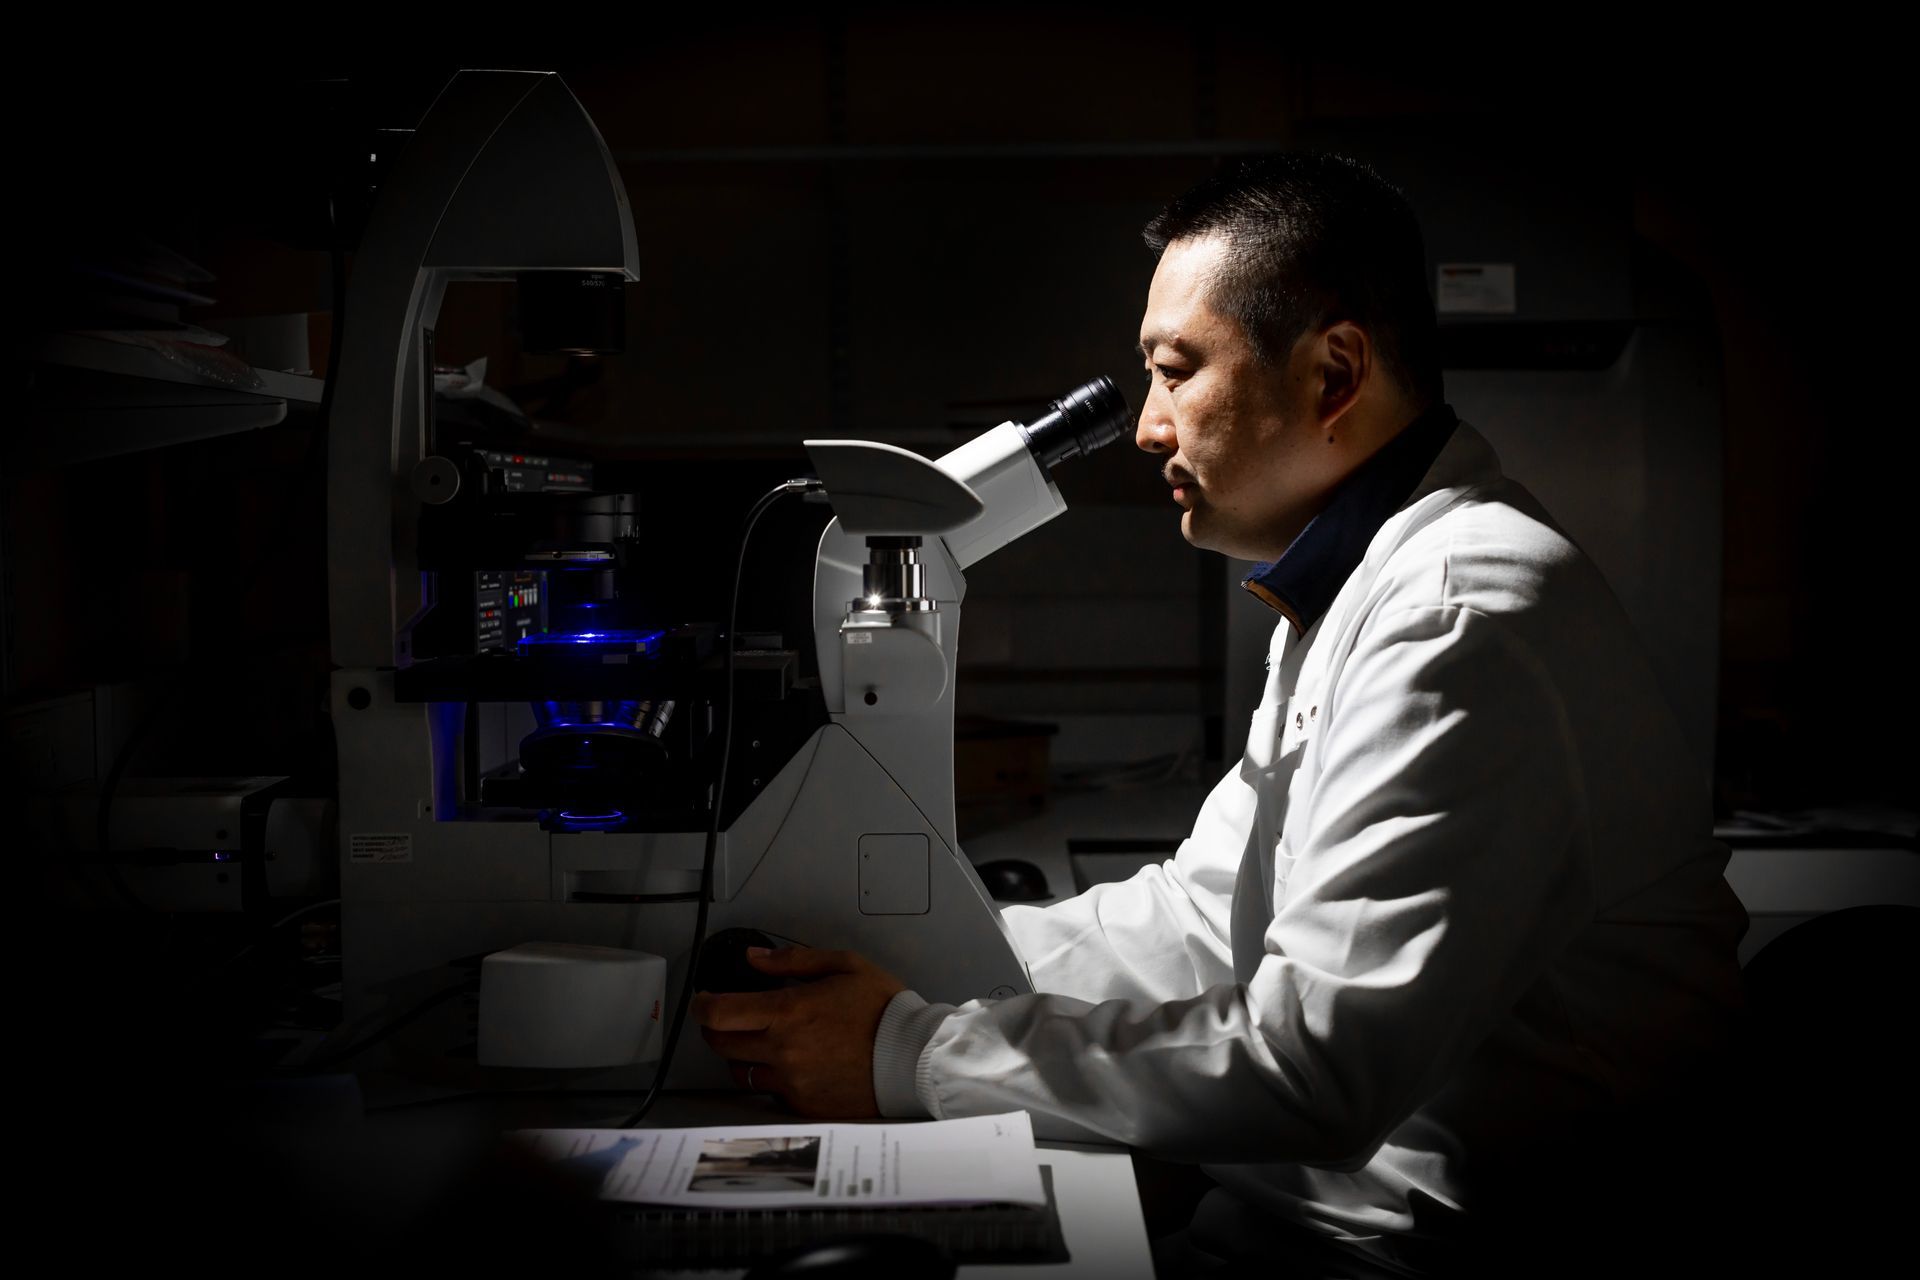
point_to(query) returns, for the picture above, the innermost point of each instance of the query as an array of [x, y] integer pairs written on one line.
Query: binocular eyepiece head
[[1087, 417]]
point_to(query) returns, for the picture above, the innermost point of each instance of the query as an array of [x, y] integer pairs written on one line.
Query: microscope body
[[837, 824], [848, 843]]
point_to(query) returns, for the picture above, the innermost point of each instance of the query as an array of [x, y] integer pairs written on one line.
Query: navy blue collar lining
[[1302, 583]]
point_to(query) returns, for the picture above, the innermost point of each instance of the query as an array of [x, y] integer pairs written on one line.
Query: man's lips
[[1184, 489]]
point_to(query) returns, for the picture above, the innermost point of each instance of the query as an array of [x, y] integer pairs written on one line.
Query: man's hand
[[811, 1044]]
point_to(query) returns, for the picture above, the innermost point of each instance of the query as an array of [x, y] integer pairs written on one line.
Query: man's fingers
[[803, 962], [737, 1010], [740, 1046]]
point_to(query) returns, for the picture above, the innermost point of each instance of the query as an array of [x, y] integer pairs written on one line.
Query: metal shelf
[[96, 398]]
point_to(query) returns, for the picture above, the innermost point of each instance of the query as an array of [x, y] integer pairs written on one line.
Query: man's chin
[[1194, 529], [1206, 535]]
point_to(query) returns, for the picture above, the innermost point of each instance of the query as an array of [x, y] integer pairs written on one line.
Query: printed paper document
[[977, 1160]]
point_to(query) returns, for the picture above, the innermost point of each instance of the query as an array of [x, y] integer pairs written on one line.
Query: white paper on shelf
[[977, 1160]]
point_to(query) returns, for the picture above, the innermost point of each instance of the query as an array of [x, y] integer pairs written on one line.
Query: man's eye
[[1170, 373]]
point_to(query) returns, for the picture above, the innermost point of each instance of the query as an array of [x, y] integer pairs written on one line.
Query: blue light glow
[[644, 642], [591, 820]]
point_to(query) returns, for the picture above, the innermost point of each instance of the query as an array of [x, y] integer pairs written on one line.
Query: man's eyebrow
[[1148, 341]]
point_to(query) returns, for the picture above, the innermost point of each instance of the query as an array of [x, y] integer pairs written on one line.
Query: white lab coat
[[1461, 888]]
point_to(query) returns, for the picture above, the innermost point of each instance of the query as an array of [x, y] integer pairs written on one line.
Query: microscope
[[524, 761]]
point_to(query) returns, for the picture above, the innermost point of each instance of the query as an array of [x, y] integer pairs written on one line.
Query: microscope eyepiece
[[1079, 422]]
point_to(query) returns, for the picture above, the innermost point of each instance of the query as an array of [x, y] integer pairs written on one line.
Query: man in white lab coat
[[1458, 903]]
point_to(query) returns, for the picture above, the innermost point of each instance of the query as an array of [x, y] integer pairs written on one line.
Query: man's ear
[[1345, 358]]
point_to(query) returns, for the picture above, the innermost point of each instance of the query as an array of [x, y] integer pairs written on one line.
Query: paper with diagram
[[977, 1160]]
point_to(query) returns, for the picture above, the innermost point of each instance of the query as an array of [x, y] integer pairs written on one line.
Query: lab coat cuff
[[899, 1044]]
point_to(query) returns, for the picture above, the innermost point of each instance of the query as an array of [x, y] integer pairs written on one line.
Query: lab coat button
[[1299, 720]]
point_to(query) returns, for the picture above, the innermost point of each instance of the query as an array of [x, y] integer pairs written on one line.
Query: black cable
[[278, 925], [372, 1038], [719, 795]]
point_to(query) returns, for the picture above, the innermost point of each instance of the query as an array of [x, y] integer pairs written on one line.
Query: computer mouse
[[1011, 880], [724, 967], [877, 1256]]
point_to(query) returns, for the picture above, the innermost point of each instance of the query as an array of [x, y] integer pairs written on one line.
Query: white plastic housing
[[883, 490], [568, 1004], [1018, 493]]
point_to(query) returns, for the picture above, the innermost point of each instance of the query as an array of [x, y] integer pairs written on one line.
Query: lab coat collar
[[1304, 580]]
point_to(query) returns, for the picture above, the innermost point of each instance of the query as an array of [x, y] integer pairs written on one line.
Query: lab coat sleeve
[[906, 1024], [1434, 869], [1158, 936]]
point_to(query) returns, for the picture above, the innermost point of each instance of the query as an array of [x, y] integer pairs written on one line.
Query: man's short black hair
[[1312, 240]]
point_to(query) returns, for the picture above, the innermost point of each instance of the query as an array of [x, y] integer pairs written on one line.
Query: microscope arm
[[887, 615], [458, 205], [1017, 496]]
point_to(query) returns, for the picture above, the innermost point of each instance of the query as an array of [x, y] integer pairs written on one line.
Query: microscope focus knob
[[435, 480], [723, 964]]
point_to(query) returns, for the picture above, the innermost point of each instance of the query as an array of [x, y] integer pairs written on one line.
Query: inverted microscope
[[519, 778]]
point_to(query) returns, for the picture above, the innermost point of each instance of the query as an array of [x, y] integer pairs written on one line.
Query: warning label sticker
[[1475, 288], [380, 847]]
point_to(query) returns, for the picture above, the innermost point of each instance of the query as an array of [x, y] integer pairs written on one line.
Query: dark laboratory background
[[908, 228]]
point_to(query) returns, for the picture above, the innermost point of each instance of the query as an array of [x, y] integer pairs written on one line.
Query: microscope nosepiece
[[1079, 422]]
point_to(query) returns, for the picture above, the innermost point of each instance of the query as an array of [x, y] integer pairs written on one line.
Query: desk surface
[[1152, 820], [1093, 1189]]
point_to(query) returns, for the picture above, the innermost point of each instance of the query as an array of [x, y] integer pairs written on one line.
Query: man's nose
[[1155, 430]]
